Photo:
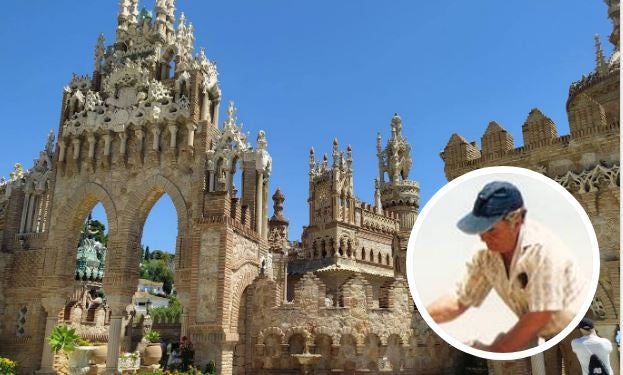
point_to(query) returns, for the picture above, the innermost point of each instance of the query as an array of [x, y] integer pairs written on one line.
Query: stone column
[[205, 107], [52, 306], [217, 106], [173, 132], [122, 147], [191, 133], [91, 139], [76, 143], [31, 213], [22, 227], [107, 144], [259, 187], [114, 335], [139, 138], [61, 150], [47, 356], [184, 324], [537, 363], [156, 132]]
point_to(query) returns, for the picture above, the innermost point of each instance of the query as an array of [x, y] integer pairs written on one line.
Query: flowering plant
[[7, 366]]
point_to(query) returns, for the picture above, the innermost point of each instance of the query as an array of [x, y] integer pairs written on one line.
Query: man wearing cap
[[589, 344], [528, 268]]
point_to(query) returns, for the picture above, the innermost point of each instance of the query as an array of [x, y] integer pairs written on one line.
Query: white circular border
[[490, 171]]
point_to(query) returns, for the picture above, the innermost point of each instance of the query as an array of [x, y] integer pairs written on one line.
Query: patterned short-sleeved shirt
[[543, 276]]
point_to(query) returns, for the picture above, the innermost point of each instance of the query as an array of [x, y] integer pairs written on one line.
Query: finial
[[336, 153], [231, 114], [261, 141], [325, 161], [182, 25], [278, 199], [99, 52], [601, 66], [49, 147], [396, 124]]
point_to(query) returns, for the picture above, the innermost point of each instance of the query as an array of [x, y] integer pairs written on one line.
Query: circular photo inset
[[503, 263]]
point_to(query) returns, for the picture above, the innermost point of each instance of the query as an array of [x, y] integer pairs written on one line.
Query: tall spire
[[336, 153], [99, 52], [123, 18], [601, 66]]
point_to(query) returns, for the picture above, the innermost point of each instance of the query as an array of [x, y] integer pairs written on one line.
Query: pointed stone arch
[[65, 226]]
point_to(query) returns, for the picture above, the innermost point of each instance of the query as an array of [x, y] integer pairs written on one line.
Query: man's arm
[[445, 309], [524, 332]]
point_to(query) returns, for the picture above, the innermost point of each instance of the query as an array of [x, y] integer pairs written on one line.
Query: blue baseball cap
[[494, 201]]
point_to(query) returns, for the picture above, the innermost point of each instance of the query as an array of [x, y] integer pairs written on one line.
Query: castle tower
[[331, 196], [398, 195]]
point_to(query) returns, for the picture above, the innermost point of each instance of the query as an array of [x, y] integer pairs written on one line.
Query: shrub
[[7, 367]]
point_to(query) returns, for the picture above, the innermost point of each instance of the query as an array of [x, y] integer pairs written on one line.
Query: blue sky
[[306, 72]]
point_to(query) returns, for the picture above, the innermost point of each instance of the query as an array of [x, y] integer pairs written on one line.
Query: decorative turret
[[331, 192], [600, 63], [231, 153], [538, 129], [585, 114], [496, 140], [614, 15], [278, 224], [398, 195], [134, 97]]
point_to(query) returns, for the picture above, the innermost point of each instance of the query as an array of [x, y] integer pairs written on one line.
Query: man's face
[[502, 237]]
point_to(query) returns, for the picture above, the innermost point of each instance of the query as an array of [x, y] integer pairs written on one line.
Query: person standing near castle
[[528, 268], [590, 345]]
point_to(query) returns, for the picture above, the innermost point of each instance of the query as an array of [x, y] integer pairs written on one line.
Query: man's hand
[[446, 309], [523, 334]]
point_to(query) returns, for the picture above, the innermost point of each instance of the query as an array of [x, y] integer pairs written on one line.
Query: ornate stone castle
[[146, 123], [586, 162]]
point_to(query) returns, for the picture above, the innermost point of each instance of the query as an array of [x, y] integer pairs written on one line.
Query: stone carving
[[244, 250], [598, 178], [207, 293]]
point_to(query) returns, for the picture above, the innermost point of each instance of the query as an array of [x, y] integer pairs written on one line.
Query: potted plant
[[153, 351], [64, 339]]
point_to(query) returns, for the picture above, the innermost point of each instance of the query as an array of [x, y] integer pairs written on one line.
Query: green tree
[[158, 270], [147, 254]]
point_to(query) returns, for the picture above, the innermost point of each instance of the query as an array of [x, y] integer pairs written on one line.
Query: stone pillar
[[31, 213], [117, 304], [91, 139], [61, 150], [122, 147], [139, 139], [22, 227], [107, 144], [191, 134], [52, 306], [217, 106], [537, 363], [156, 132], [173, 132], [205, 107], [114, 335], [184, 325], [258, 202], [76, 143], [47, 355]]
